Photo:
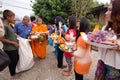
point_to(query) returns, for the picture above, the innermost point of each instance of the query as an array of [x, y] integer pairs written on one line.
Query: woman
[[77, 25], [39, 45], [108, 67], [82, 58], [70, 37], [61, 32]]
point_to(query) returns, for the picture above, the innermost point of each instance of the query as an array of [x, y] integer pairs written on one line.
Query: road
[[46, 69]]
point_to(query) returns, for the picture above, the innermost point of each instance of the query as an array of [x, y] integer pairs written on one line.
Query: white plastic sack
[[25, 55]]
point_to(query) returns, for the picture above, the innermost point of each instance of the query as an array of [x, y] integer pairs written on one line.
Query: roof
[[96, 11]]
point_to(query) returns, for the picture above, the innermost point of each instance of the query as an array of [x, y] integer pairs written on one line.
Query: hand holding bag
[[4, 60]]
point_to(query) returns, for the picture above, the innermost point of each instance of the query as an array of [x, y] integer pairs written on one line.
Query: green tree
[[81, 7], [1, 12], [49, 9]]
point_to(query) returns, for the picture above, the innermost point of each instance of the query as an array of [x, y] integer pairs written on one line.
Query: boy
[[10, 43]]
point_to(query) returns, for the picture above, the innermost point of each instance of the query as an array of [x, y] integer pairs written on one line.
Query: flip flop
[[65, 70], [66, 73]]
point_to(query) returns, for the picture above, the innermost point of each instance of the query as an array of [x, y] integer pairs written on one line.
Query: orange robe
[[39, 48]]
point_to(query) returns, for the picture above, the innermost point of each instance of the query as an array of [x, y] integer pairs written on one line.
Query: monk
[[39, 45]]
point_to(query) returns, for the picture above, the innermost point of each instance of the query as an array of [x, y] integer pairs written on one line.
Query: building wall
[[19, 8]]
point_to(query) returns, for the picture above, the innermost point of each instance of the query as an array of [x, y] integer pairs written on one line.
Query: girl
[[70, 36], [82, 58], [60, 31]]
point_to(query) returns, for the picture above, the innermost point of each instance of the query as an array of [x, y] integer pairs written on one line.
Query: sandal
[[66, 73], [65, 70]]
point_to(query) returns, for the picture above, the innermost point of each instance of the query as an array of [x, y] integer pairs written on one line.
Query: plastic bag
[[25, 56]]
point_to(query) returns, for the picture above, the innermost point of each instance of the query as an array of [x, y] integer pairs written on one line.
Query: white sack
[[25, 55]]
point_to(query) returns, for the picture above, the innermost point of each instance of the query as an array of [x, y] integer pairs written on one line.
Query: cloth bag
[[101, 71], [4, 60], [25, 55]]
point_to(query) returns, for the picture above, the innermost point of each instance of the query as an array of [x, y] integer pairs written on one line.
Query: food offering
[[99, 38], [38, 36], [41, 38], [67, 47], [60, 40], [56, 38], [63, 47]]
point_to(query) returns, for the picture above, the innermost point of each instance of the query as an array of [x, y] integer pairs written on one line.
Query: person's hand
[[17, 36], [54, 26], [32, 33], [115, 48], [43, 34], [67, 37], [1, 37], [16, 45], [61, 30]]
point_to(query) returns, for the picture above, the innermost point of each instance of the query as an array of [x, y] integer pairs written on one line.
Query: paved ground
[[45, 69]]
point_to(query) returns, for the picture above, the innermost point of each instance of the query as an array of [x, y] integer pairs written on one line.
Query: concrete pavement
[[46, 69]]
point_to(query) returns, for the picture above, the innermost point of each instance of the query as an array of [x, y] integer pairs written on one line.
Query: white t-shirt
[[110, 57]]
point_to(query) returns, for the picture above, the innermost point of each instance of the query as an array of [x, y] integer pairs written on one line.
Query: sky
[[101, 1], [22, 7], [104, 1]]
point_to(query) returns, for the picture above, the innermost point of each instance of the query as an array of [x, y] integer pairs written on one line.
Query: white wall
[[20, 8]]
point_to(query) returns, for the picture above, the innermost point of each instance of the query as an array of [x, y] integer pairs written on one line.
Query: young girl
[[82, 58], [70, 37]]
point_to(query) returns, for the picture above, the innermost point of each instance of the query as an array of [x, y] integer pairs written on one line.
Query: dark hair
[[58, 19], [72, 22], [115, 16], [7, 13], [109, 25], [32, 18], [84, 26]]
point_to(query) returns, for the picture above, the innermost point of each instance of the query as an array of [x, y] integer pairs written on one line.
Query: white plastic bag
[[25, 55]]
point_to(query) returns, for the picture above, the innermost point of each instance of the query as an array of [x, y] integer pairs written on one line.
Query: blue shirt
[[21, 30], [65, 28]]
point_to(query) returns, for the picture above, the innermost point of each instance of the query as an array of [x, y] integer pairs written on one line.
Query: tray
[[102, 45], [66, 50]]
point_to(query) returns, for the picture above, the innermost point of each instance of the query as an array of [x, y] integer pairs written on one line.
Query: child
[[10, 43]]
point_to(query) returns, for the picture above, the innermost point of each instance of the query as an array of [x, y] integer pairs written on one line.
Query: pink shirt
[[32, 24]]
